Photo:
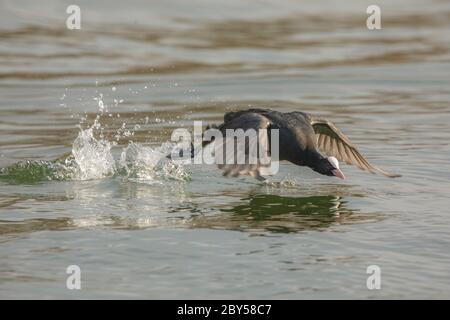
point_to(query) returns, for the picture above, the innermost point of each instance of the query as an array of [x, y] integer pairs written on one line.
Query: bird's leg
[[261, 179]]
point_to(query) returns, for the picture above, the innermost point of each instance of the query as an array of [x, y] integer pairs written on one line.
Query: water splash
[[91, 158], [30, 172], [286, 182], [150, 165]]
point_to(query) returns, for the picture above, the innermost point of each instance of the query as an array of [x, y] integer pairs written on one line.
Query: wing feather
[[334, 143], [246, 121]]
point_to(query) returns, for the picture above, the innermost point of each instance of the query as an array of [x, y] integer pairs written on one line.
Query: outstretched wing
[[334, 143], [255, 167]]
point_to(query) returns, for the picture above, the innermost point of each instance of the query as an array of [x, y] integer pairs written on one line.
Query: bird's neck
[[310, 158], [313, 159]]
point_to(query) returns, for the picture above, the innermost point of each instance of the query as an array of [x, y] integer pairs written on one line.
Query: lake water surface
[[112, 93]]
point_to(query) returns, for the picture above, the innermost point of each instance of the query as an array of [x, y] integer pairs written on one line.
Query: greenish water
[[110, 94]]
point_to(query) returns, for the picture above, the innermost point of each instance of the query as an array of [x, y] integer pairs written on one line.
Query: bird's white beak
[[338, 173]]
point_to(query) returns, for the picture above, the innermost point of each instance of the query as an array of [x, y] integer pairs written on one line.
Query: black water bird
[[304, 140]]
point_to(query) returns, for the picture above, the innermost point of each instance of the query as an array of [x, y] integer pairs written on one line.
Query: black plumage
[[304, 140]]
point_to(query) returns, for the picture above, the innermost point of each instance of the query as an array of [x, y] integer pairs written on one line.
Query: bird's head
[[329, 167]]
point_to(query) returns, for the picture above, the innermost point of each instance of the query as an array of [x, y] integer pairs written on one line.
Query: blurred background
[[143, 68]]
